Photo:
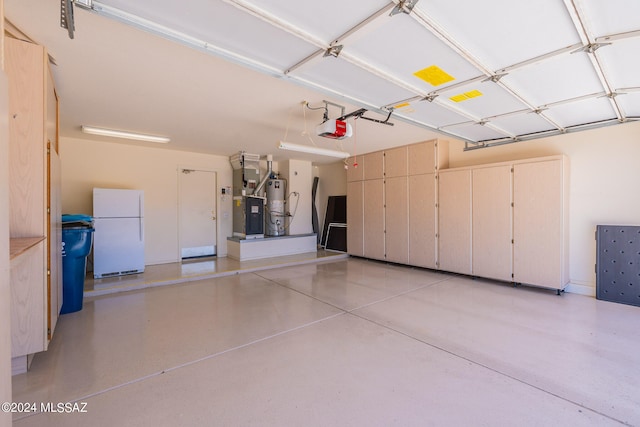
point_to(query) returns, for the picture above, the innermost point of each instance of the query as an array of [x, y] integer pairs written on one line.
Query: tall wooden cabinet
[[540, 225], [373, 221], [454, 223], [506, 221], [422, 220], [397, 219], [492, 223], [425, 160], [355, 215], [396, 205], [355, 206], [34, 200], [391, 203]]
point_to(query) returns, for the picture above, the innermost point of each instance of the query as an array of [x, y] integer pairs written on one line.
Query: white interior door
[[197, 209]]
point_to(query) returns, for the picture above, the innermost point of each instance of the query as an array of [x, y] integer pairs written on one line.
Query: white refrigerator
[[118, 240]]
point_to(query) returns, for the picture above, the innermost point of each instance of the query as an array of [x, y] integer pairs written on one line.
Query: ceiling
[[229, 75]]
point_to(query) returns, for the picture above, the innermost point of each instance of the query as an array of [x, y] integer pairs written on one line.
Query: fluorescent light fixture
[[125, 135], [310, 149]]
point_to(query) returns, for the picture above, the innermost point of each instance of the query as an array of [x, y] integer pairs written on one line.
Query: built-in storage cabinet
[[425, 159], [373, 165], [355, 169], [355, 206], [384, 212], [397, 219], [428, 157], [422, 220], [396, 212], [395, 162], [34, 198], [454, 224], [27, 302], [506, 221], [492, 225], [54, 236], [373, 229], [27, 149], [355, 218], [540, 226]]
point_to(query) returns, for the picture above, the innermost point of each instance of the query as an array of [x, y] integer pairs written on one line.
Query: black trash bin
[[77, 237]]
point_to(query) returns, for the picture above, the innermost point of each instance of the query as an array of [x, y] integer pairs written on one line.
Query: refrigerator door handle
[[141, 229]]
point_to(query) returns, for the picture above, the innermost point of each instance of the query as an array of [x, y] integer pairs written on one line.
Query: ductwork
[[266, 176]]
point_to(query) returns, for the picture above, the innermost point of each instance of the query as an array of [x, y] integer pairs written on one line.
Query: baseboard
[[575, 288], [20, 364]]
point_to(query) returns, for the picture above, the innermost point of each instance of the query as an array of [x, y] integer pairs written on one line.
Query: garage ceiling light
[[125, 135], [309, 149]]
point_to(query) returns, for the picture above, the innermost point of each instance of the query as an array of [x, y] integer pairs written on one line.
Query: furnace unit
[[248, 210]]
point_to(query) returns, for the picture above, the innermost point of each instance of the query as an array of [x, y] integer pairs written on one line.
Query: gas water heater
[[275, 218]]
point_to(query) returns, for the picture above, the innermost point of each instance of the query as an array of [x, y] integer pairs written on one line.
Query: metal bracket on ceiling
[[403, 6], [66, 16], [476, 145], [66, 13], [494, 78], [333, 51], [625, 90], [325, 108], [359, 114], [84, 4], [590, 48], [430, 98]]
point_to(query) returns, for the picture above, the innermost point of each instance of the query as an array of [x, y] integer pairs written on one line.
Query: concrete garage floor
[[344, 343]]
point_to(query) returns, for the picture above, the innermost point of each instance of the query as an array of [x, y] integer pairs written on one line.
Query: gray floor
[[349, 342], [196, 269]]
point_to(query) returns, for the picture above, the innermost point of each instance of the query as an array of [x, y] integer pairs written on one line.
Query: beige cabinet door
[[355, 169], [373, 165], [397, 220], [355, 218], [24, 65], [395, 162], [28, 308], [454, 221], [374, 219], [538, 230], [492, 248], [428, 157], [54, 288], [422, 158], [422, 220]]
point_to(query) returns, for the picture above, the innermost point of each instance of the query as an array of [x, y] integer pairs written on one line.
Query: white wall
[[604, 175], [299, 177], [333, 182], [89, 164]]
